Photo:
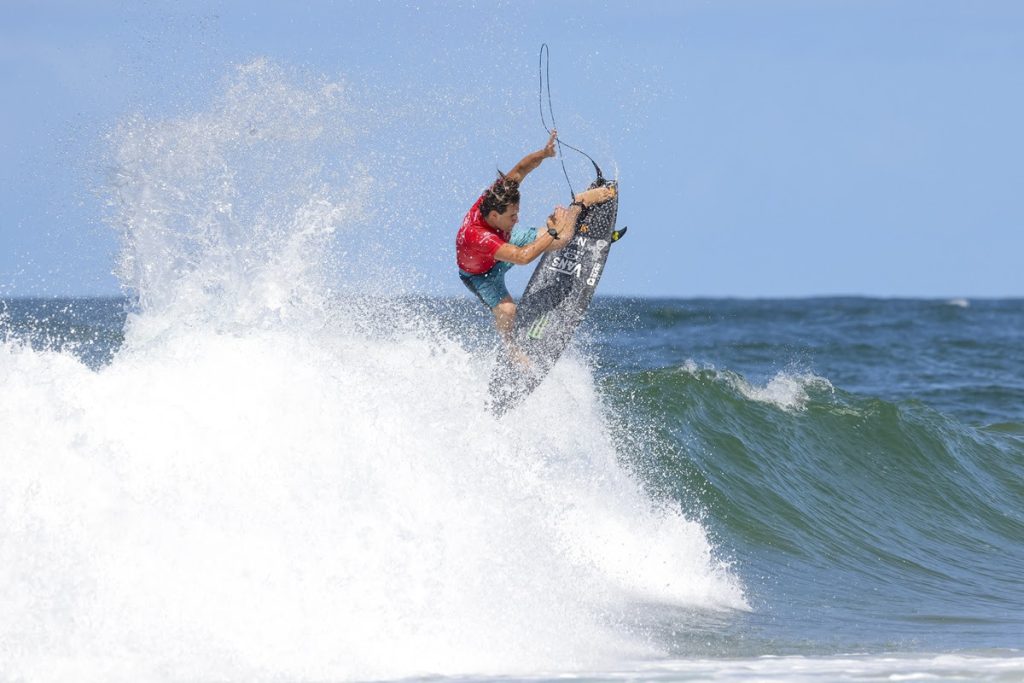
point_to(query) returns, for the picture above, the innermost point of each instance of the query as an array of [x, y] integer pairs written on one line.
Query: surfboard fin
[[619, 234]]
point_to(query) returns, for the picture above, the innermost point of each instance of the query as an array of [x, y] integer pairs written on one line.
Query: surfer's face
[[504, 221]]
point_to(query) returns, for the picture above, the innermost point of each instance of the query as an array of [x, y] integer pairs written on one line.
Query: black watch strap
[[579, 204], [554, 233]]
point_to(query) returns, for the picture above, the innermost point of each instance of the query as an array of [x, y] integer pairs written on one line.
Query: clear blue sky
[[764, 148]]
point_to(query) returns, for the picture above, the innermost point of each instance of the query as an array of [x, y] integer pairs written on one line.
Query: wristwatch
[[554, 233], [579, 204]]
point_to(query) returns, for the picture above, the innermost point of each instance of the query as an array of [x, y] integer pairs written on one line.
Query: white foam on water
[[787, 389], [225, 506], [860, 668], [269, 481]]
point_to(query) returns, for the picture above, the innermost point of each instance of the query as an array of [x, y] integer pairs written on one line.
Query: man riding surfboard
[[488, 243]]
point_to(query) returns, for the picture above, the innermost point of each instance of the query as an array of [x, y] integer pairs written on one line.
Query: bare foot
[[522, 359], [596, 195]]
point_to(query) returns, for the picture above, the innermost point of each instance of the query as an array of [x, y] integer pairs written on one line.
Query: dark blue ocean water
[[861, 459]]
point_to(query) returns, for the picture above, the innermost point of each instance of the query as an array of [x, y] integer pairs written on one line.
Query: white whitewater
[[271, 481]]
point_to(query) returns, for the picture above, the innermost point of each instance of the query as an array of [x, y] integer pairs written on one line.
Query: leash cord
[[544, 74]]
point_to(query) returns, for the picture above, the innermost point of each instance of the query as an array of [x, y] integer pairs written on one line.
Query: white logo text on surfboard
[[569, 260]]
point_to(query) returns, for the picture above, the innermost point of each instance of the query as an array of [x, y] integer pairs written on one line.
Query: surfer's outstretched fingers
[[549, 149]]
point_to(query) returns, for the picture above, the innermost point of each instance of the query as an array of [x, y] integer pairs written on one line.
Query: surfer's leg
[[504, 320], [505, 317], [491, 290], [500, 301], [471, 285], [489, 287]]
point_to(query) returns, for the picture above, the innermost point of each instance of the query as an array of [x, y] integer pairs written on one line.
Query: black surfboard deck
[[554, 304]]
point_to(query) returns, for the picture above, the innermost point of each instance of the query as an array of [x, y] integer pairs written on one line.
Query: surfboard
[[554, 304]]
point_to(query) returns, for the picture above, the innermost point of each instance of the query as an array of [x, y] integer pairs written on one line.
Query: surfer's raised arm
[[533, 160]]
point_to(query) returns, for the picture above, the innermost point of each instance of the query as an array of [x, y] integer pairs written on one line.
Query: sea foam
[[787, 389], [273, 481]]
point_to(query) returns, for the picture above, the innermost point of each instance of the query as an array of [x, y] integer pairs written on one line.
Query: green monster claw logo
[[537, 328]]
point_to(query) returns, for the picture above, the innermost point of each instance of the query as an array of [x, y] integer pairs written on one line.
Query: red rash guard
[[477, 242]]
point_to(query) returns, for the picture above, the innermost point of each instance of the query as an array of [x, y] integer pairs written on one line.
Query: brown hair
[[502, 193]]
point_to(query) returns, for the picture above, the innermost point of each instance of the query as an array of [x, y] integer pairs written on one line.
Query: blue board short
[[490, 286]]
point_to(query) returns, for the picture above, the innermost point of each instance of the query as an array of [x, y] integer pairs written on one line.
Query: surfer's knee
[[505, 309], [504, 313]]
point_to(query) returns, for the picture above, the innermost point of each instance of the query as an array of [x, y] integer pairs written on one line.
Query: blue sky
[[764, 148]]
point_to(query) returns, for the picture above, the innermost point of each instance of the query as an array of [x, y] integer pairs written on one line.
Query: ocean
[[270, 462], [806, 489]]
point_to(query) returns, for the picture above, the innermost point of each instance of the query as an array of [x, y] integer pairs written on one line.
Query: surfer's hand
[[596, 195], [562, 220], [549, 149], [559, 216]]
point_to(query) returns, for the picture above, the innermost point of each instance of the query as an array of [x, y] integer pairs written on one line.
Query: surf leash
[[544, 74]]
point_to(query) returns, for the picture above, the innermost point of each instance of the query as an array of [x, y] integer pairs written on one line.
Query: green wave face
[[842, 509]]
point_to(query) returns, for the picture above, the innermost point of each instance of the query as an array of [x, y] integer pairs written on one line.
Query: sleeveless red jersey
[[476, 242]]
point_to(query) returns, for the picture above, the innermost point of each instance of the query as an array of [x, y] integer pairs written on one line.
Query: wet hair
[[500, 195]]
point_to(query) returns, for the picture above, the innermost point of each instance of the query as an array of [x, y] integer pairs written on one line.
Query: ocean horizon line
[[616, 296]]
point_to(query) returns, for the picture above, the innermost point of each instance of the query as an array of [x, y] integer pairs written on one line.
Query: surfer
[[488, 243]]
